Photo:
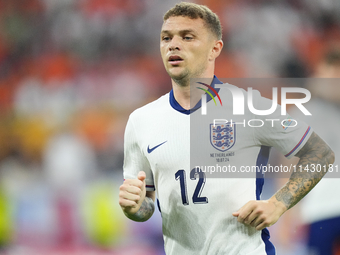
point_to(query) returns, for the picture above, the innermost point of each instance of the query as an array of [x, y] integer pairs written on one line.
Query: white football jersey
[[197, 207]]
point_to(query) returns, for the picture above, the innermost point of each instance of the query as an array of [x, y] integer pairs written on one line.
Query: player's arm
[[316, 152], [136, 203], [262, 214]]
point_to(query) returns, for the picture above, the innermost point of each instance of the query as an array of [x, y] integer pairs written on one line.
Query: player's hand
[[260, 214], [132, 194]]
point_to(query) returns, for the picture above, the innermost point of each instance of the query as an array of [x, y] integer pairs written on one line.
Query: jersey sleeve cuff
[[150, 187], [301, 143]]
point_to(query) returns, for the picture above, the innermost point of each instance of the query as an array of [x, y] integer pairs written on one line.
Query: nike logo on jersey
[[152, 149]]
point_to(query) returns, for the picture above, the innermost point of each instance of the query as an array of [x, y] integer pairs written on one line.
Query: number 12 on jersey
[[196, 197]]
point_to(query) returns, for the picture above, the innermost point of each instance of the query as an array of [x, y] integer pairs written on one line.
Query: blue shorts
[[324, 237]]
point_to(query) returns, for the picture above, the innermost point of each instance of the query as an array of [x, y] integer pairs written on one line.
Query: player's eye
[[188, 38], [166, 38]]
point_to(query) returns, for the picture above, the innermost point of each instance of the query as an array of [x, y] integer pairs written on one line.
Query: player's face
[[186, 47]]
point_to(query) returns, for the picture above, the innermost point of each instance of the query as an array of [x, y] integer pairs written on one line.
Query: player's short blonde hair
[[195, 11]]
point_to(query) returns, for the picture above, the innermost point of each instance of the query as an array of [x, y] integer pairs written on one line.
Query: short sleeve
[[283, 132], [134, 159]]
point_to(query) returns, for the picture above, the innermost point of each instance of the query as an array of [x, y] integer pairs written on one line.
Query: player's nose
[[175, 43]]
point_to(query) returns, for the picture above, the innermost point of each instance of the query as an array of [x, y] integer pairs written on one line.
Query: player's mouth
[[175, 60]]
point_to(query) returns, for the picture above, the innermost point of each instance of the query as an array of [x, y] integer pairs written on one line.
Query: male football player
[[200, 215]]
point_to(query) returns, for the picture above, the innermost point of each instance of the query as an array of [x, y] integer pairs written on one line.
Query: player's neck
[[188, 96]]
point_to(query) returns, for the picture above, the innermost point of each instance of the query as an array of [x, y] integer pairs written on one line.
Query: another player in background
[[320, 210], [225, 216]]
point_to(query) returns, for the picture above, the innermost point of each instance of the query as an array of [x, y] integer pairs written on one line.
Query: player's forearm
[[316, 152], [145, 211]]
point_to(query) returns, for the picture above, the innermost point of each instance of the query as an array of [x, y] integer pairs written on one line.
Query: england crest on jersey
[[222, 136]]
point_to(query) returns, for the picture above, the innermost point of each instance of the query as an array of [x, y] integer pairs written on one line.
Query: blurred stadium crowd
[[71, 71]]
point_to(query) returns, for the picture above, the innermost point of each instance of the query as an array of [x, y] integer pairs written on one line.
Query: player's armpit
[[316, 152]]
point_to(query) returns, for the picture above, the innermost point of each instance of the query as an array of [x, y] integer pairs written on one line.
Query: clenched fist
[[260, 214], [132, 194]]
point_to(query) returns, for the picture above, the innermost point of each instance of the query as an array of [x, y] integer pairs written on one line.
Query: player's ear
[[216, 49]]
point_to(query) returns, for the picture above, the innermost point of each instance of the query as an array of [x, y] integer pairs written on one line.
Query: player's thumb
[[236, 214], [141, 176]]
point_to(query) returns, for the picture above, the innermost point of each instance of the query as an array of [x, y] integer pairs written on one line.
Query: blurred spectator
[[318, 215], [263, 33], [321, 208]]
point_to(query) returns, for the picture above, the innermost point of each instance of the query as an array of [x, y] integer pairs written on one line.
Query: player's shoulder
[[151, 109], [230, 88], [246, 96]]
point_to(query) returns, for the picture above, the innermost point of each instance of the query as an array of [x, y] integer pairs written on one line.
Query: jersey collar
[[174, 104]]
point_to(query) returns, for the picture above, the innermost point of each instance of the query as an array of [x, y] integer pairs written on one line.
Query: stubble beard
[[183, 79]]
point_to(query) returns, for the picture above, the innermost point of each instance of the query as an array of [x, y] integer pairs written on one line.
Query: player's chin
[[177, 73]]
